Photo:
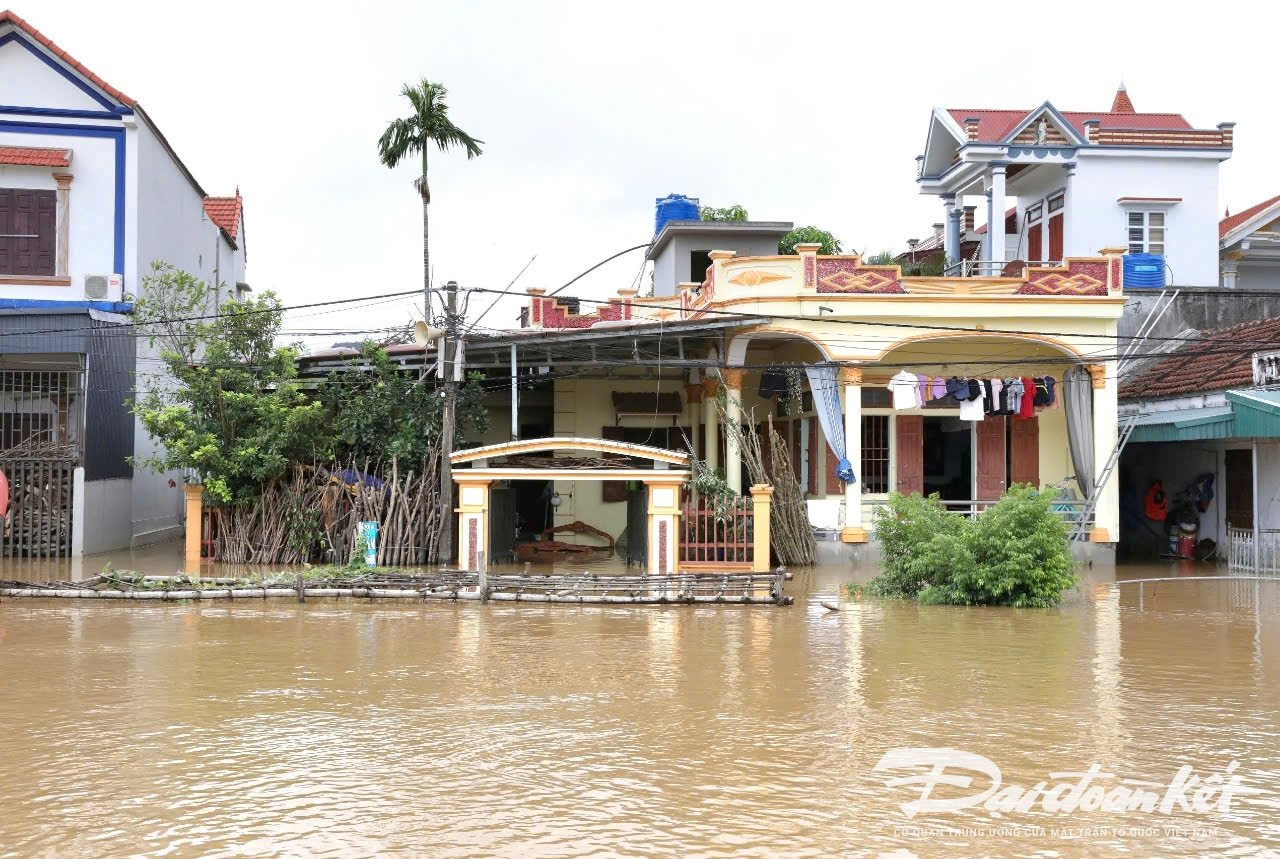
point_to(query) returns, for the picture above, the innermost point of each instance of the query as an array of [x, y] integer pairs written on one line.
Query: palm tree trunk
[[426, 246]]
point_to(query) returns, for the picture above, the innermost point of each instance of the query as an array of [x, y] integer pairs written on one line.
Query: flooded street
[[347, 728]]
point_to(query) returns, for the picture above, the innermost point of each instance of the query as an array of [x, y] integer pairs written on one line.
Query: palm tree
[[428, 123]]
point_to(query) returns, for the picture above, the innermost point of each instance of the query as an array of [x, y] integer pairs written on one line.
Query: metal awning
[[1248, 414], [1183, 425]]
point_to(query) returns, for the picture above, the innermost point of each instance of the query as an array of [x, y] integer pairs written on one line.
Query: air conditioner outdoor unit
[[100, 286]]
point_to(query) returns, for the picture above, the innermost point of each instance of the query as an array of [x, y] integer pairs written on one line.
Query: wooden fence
[[717, 539]]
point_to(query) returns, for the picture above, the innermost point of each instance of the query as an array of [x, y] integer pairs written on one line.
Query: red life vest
[[1156, 503]]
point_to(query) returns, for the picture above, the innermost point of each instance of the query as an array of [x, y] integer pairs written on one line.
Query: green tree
[[732, 213], [801, 235], [384, 411], [428, 123], [229, 407]]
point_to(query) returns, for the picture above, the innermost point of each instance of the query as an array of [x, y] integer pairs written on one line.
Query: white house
[[1073, 182], [91, 193], [1249, 245]]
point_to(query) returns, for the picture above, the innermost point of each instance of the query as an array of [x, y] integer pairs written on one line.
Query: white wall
[[92, 207], [171, 226], [25, 81], [106, 515], [1097, 221]]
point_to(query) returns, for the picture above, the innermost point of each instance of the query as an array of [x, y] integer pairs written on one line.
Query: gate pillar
[[473, 522], [664, 524]]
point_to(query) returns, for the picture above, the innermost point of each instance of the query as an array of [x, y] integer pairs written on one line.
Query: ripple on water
[[350, 729]]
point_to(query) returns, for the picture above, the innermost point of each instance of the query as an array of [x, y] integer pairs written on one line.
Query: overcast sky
[[812, 113]]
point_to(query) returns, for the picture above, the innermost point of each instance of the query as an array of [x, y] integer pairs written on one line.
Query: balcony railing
[[994, 268]]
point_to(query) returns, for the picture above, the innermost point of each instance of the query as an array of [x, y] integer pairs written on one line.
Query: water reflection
[[358, 728]]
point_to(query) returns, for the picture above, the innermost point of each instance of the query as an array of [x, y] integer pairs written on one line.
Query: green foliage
[[801, 235], [931, 266], [710, 485], [359, 548], [232, 412], [428, 122], [882, 258], [1016, 553], [733, 213], [385, 411]]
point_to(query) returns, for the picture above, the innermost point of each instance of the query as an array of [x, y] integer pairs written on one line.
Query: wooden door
[[1024, 451], [909, 453], [815, 456], [1035, 250], [1238, 496], [1055, 238], [991, 461]]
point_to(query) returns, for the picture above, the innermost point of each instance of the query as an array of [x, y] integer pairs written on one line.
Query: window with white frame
[[1146, 233]]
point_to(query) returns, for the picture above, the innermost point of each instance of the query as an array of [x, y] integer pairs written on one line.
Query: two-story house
[[1055, 184], [91, 193]]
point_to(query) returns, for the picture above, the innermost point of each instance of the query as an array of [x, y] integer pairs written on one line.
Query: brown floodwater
[[349, 728]]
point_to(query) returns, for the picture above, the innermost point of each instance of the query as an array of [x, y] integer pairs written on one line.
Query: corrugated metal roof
[[1257, 413], [1250, 414], [1184, 425]]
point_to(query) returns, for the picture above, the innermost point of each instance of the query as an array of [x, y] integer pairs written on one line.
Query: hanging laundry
[[1049, 384], [988, 400], [922, 389], [1028, 407], [958, 388], [972, 408], [997, 392], [939, 387], [1042, 392], [903, 388]]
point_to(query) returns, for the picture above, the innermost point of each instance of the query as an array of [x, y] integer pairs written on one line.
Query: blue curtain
[[826, 402]]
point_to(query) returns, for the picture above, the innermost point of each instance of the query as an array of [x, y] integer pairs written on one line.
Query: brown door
[[1239, 489], [815, 456], [909, 453], [1034, 249], [1055, 238], [991, 462], [1024, 451]]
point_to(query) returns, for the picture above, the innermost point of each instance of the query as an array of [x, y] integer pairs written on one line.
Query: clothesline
[[1016, 396]]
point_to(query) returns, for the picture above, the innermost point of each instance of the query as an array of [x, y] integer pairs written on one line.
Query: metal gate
[[38, 523], [638, 527], [41, 427]]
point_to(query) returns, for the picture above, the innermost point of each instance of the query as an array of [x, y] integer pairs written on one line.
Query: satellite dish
[[424, 334]]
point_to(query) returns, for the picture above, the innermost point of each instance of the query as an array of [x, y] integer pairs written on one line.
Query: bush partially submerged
[[1016, 553]]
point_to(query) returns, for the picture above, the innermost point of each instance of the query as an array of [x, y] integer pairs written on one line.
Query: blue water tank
[[674, 207], [1143, 271]]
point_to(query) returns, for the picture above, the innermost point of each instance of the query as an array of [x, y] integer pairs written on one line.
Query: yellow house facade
[[868, 324]]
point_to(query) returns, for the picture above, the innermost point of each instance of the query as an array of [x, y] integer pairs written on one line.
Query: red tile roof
[[225, 212], [994, 125], [8, 17], [1230, 222], [1121, 103], [1217, 361], [31, 156]]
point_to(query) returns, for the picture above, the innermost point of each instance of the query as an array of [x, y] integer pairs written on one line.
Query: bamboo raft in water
[[584, 588]]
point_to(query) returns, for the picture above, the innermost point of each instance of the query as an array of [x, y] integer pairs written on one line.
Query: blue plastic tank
[[1144, 271], [674, 207]]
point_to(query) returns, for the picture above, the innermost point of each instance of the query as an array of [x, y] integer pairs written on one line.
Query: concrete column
[[711, 431], [473, 523], [192, 495], [77, 512], [995, 226], [693, 396], [733, 415], [1231, 270], [62, 221], [664, 522], [761, 501], [951, 237], [987, 239], [851, 379], [1068, 249], [1106, 517]]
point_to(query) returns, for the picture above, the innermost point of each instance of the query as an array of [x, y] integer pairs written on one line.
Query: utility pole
[[449, 350]]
